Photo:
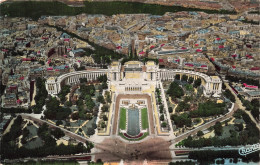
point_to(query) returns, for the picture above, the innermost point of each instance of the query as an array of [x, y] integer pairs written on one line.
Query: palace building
[[134, 77]]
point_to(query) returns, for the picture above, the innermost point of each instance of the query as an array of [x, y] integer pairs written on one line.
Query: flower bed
[[140, 136], [133, 137]]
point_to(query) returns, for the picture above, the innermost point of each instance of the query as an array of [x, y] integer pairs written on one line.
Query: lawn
[[122, 123], [145, 123]]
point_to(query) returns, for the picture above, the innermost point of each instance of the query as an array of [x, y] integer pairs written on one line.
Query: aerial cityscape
[[130, 82]]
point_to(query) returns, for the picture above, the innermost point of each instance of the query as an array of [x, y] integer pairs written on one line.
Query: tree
[[43, 130], [57, 133], [190, 81], [161, 107], [229, 95], [177, 77], [200, 133], [170, 109], [64, 91], [26, 132], [184, 78], [218, 128], [108, 97], [82, 114], [162, 117], [89, 116], [102, 78], [90, 131], [181, 120], [255, 113], [52, 104], [183, 106], [90, 104], [88, 97], [209, 108], [239, 126], [105, 118], [103, 124], [105, 108], [197, 83], [68, 103], [255, 103], [75, 116], [41, 95], [248, 105], [188, 87], [101, 99], [83, 80], [175, 90], [164, 124], [59, 122]]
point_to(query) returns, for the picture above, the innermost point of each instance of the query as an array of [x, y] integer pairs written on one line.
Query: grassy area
[[145, 123], [142, 137], [37, 9], [122, 123]]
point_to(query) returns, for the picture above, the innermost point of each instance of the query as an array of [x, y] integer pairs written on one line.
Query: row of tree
[[40, 96], [228, 94], [209, 108], [181, 120], [249, 81], [252, 105]]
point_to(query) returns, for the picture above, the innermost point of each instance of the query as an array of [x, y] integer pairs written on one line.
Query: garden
[[188, 107]]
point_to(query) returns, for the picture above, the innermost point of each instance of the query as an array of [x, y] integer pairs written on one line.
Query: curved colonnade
[[53, 85], [211, 84]]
